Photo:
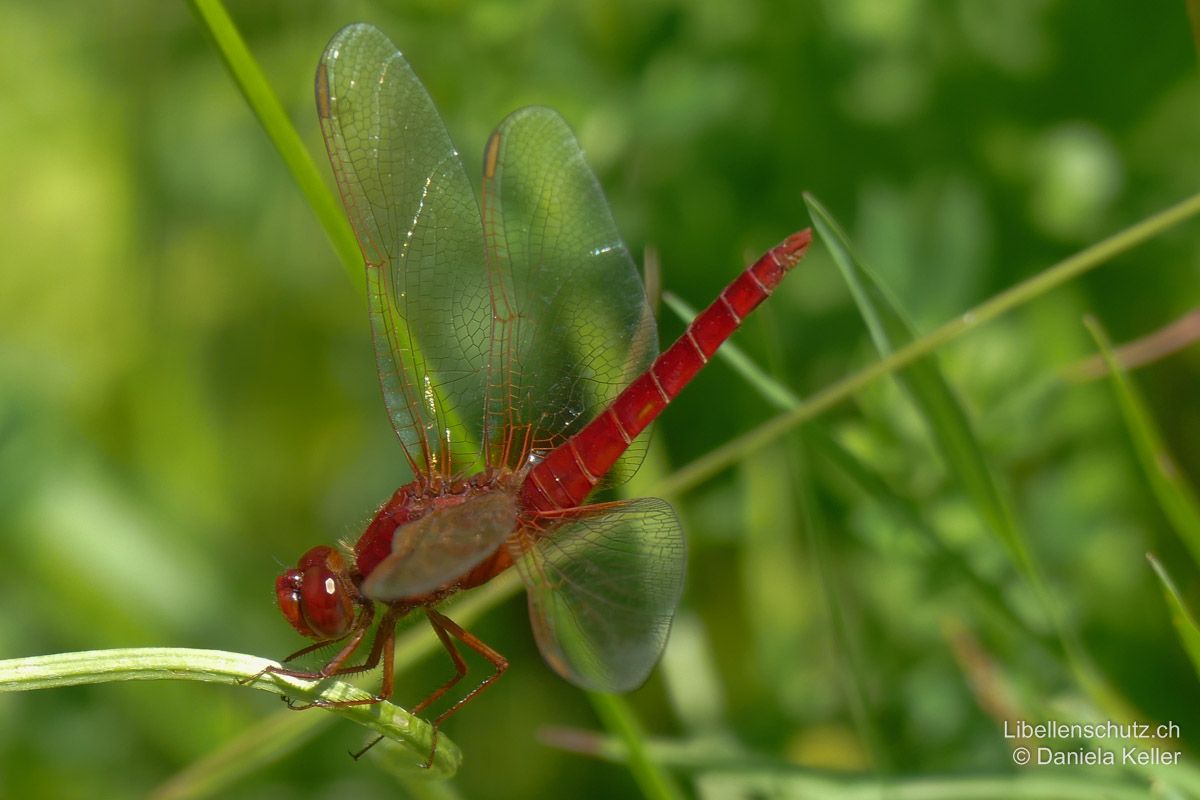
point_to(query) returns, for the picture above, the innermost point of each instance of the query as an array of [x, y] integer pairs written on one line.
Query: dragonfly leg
[[445, 628], [499, 662], [361, 625], [381, 649], [460, 668], [443, 631]]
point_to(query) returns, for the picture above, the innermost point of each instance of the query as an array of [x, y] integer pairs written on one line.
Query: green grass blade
[[213, 774], [943, 558], [1181, 617], [745, 783], [266, 106], [1174, 495], [618, 718], [723, 771], [1082, 262], [960, 449], [253, 84], [252, 750], [767, 550], [943, 413], [818, 441], [613, 711], [853, 674], [215, 666], [822, 443]]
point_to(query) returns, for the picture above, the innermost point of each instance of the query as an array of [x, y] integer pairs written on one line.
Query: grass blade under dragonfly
[[215, 666]]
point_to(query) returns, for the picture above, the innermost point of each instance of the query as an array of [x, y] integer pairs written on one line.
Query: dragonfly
[[518, 358]]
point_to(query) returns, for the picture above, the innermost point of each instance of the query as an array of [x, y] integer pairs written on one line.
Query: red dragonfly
[[517, 354]]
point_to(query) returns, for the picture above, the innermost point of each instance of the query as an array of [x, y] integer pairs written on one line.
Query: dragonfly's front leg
[[445, 627], [337, 664]]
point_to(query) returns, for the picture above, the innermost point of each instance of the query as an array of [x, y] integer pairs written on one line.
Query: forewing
[[573, 327], [434, 550], [603, 587], [418, 225]]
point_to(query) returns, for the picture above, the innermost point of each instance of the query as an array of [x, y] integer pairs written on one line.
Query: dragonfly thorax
[[416, 501], [414, 551]]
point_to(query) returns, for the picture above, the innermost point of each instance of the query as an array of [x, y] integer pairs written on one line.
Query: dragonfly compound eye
[[314, 597]]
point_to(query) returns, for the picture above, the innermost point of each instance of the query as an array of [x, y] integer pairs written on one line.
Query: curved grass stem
[[413, 734]]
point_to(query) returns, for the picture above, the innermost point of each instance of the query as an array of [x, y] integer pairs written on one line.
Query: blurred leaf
[[693, 684], [820, 441], [266, 106], [618, 717], [722, 771], [853, 674], [960, 449], [1175, 497], [1181, 617], [253, 749], [1193, 8], [944, 558], [1072, 267], [941, 410], [776, 577], [771, 785]]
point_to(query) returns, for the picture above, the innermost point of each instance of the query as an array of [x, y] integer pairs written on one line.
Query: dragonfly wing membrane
[[418, 224], [573, 324], [602, 589], [432, 551]]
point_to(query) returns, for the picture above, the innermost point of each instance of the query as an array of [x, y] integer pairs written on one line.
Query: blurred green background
[[188, 399]]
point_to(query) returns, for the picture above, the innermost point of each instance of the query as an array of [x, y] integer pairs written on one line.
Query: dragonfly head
[[317, 597]]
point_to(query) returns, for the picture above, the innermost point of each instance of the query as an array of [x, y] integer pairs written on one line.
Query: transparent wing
[[603, 587], [573, 327], [442, 546], [417, 222]]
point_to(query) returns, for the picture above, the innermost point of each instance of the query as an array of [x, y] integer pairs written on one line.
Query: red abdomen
[[566, 476]]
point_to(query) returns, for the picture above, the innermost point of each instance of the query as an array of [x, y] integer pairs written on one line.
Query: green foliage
[[892, 569], [1181, 617], [1171, 490]]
